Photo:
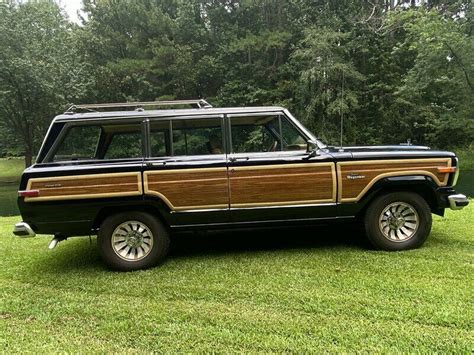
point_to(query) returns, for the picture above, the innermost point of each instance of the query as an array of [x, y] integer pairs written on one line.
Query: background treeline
[[395, 70]]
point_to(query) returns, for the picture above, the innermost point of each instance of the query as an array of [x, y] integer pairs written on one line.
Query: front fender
[[435, 196]]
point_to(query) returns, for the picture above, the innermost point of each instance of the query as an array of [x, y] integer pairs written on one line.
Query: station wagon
[[133, 173]]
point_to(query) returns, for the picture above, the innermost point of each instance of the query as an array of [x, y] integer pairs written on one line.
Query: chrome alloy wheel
[[132, 241], [398, 222]]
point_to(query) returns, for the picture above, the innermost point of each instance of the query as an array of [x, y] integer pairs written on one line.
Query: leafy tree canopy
[[395, 70]]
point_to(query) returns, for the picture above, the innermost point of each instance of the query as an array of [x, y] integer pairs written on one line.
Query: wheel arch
[[422, 185], [154, 208]]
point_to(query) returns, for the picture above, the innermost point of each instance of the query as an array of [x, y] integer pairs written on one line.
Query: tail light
[[28, 193]]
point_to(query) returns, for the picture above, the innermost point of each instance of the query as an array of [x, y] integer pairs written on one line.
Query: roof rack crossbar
[[200, 103]]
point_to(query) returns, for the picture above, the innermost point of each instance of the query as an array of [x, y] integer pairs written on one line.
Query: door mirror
[[311, 149], [311, 146]]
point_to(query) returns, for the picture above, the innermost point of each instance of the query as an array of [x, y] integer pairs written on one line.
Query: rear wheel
[[132, 240], [398, 221]]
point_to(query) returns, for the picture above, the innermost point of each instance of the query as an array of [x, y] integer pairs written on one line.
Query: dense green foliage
[[395, 70], [252, 292]]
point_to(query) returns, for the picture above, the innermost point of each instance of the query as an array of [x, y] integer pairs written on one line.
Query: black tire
[[383, 232], [153, 251]]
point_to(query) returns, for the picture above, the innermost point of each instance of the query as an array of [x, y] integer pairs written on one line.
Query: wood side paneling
[[85, 186], [289, 184], [189, 188], [356, 178]]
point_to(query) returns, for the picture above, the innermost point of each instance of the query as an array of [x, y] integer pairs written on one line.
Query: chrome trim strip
[[254, 208]]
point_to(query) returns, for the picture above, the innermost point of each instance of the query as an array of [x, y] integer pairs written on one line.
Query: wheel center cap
[[134, 240], [396, 222], [400, 222]]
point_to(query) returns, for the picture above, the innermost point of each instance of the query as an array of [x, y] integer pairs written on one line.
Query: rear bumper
[[23, 230], [457, 201]]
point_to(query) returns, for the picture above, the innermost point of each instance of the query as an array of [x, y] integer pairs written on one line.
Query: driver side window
[[255, 134], [266, 133]]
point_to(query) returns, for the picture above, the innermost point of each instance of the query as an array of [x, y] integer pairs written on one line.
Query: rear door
[[187, 169], [271, 177]]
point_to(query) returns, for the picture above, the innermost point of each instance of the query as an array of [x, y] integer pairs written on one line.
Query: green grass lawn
[[11, 169], [281, 291]]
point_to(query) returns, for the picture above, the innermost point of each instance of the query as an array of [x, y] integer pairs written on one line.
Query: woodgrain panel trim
[[288, 172], [85, 186], [185, 189], [387, 168]]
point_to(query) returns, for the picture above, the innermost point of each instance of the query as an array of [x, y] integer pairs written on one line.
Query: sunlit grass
[[11, 169], [290, 290]]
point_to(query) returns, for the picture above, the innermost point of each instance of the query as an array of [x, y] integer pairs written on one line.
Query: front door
[[271, 177]]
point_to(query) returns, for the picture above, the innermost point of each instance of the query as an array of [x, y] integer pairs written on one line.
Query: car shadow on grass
[[186, 245], [78, 254]]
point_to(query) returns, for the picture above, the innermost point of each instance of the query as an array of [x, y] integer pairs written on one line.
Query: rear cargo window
[[80, 143], [92, 142]]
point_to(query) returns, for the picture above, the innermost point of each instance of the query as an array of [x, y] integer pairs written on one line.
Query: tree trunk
[[28, 157], [28, 146]]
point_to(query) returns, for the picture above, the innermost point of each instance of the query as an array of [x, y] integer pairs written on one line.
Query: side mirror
[[311, 146]]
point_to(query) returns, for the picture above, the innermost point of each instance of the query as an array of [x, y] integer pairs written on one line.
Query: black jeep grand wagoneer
[[132, 176]]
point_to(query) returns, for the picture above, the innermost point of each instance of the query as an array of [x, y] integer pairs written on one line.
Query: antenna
[[340, 111]]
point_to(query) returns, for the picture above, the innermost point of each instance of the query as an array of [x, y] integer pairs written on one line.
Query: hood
[[381, 148]]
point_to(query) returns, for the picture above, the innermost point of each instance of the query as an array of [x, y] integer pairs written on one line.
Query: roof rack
[[199, 103]]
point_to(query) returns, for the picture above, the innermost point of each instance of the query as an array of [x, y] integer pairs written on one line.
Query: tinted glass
[[80, 143], [159, 138], [197, 137], [111, 141], [255, 134], [124, 145], [292, 138]]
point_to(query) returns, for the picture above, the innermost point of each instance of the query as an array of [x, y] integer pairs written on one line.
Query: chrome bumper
[[458, 201], [23, 230]]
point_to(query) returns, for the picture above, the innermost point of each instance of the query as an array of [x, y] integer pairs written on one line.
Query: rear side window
[[124, 145], [93, 142], [197, 136]]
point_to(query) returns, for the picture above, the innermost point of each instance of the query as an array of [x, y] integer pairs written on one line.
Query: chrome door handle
[[232, 159]]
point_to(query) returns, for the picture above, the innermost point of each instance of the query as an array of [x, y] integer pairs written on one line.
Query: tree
[[40, 70], [395, 70]]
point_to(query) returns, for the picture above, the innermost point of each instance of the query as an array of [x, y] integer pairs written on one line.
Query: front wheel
[[398, 221], [132, 240]]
